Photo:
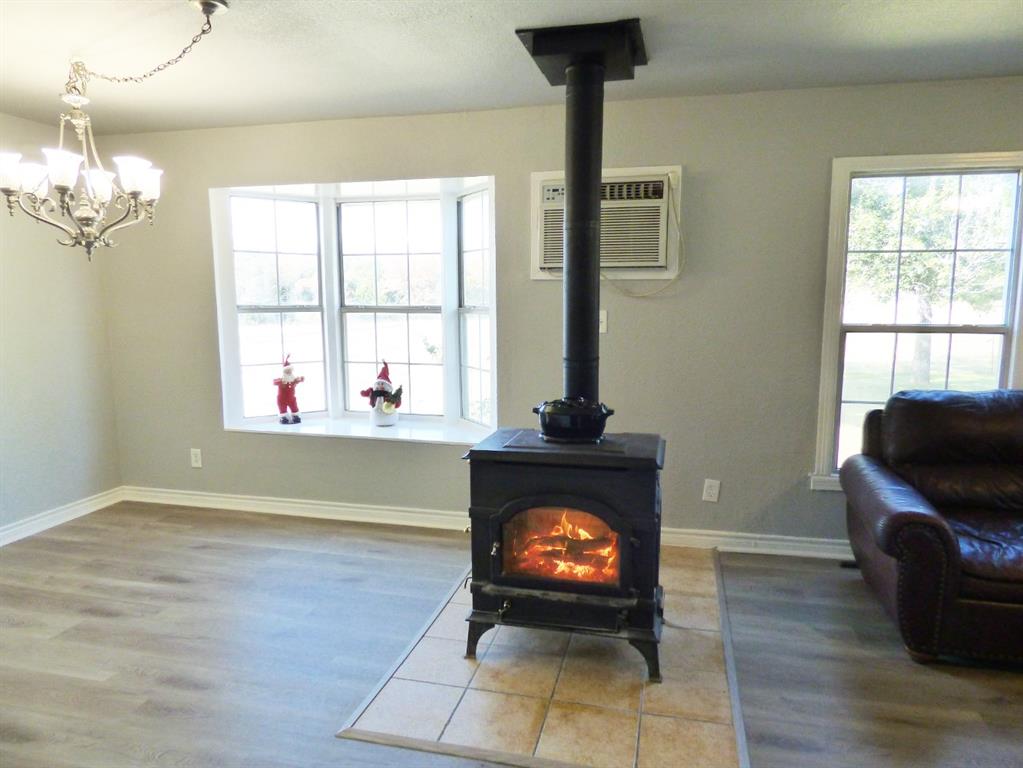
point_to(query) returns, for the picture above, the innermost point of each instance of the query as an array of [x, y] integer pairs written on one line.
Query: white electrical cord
[[672, 213]]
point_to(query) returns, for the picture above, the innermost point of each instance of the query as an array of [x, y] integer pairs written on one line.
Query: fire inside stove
[[561, 543]]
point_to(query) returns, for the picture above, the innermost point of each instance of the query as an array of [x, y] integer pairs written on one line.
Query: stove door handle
[[505, 607], [493, 549]]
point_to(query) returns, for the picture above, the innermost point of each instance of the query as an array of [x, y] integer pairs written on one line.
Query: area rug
[[541, 698]]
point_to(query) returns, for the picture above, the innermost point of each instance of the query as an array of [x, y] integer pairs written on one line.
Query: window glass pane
[[920, 360], [426, 390], [484, 328], [426, 338], [392, 279], [259, 337], [976, 361], [486, 415], [359, 376], [299, 278], [360, 337], [357, 228], [297, 229], [360, 280], [471, 339], [303, 336], [389, 227], [424, 279], [932, 205], [850, 428], [471, 399], [986, 210], [875, 213], [925, 288], [252, 224], [392, 338], [311, 393], [424, 226], [981, 282], [259, 395], [255, 279], [473, 279], [868, 366], [870, 288]]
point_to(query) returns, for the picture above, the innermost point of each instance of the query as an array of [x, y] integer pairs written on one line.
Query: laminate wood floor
[[154, 635], [824, 682]]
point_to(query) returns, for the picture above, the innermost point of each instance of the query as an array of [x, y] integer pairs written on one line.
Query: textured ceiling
[[272, 61]]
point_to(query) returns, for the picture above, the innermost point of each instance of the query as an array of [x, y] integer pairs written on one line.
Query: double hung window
[[923, 286]]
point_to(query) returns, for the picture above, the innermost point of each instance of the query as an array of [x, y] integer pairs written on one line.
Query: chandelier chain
[[207, 27]]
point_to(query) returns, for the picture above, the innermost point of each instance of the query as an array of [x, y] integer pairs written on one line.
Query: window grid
[[405, 371], [258, 367], [846, 440]]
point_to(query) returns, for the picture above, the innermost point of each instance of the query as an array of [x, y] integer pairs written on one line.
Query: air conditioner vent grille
[[629, 237]]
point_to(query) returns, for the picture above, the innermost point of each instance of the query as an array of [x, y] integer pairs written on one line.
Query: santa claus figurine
[[384, 399], [286, 393]]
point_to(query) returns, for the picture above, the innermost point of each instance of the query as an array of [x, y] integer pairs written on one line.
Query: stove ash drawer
[[540, 612]]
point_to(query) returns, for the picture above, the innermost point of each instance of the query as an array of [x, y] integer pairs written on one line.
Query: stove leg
[[649, 651], [476, 630]]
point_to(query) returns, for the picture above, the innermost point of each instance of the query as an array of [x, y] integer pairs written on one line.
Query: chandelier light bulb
[[33, 178], [9, 177], [131, 171], [100, 184], [62, 167]]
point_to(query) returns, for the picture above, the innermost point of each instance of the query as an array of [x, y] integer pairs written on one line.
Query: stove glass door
[[561, 543]]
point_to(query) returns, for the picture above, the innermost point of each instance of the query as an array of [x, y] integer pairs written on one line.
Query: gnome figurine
[[286, 393], [384, 399]]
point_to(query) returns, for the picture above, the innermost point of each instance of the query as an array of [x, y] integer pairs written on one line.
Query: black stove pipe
[[584, 124]]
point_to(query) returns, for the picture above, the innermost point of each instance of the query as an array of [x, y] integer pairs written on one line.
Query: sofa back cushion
[[961, 449]]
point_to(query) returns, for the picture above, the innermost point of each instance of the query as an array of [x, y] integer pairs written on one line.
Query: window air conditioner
[[638, 215]]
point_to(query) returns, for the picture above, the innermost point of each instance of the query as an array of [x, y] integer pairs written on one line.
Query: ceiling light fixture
[[91, 201]]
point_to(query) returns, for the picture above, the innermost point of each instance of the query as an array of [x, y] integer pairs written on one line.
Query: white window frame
[[843, 170], [336, 421]]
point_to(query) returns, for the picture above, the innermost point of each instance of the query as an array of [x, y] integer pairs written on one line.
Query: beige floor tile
[[702, 558], [591, 736], [409, 708], [668, 741], [689, 650], [498, 721], [508, 669], [602, 675], [462, 595], [699, 695], [437, 660], [689, 580], [536, 640], [691, 611], [451, 625]]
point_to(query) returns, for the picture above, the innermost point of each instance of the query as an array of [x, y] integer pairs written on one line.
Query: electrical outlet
[[711, 490], [603, 321], [196, 455]]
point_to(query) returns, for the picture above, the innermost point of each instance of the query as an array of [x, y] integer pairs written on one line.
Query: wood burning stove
[[566, 523], [567, 536]]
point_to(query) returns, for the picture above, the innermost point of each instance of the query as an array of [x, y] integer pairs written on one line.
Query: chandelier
[[87, 202]]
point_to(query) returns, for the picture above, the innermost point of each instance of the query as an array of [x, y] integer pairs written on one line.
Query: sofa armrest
[[887, 504]]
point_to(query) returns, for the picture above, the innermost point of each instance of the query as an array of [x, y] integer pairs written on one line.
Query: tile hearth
[[570, 699]]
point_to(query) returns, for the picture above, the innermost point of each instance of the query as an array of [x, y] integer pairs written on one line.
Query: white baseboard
[[329, 510], [760, 543], [766, 544], [53, 517]]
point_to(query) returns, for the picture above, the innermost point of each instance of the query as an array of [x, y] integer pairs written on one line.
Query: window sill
[[407, 430], [825, 483]]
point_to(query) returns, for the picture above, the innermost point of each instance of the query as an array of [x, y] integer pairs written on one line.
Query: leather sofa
[[935, 518]]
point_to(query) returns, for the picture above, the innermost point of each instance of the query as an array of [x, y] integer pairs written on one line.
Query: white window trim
[[843, 169], [336, 421]]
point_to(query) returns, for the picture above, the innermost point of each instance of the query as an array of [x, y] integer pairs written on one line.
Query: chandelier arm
[[38, 212], [130, 207]]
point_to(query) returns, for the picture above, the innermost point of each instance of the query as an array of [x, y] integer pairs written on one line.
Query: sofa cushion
[[991, 550], [946, 427], [997, 487]]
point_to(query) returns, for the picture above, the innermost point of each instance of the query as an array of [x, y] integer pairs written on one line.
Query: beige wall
[[725, 365], [58, 442]]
